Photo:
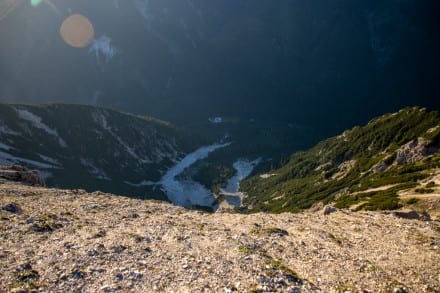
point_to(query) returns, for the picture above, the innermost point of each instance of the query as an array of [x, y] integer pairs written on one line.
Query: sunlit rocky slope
[[56, 240], [365, 168]]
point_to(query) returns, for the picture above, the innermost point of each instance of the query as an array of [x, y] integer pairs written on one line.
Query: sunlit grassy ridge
[[342, 169]]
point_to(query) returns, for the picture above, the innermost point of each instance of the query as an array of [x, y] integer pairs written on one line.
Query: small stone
[[119, 248], [68, 245], [136, 275], [92, 253], [411, 215], [12, 208], [262, 279], [30, 220], [328, 209], [101, 233], [425, 217], [76, 274]]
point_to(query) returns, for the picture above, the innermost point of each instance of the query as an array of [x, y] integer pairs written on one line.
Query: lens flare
[[36, 2], [77, 31]]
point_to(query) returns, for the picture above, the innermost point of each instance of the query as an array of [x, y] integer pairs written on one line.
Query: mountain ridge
[[91, 147], [398, 148]]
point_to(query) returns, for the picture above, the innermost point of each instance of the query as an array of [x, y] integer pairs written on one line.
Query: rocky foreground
[[69, 240]]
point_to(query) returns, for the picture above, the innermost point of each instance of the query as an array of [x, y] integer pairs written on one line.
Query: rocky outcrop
[[414, 151], [380, 167], [411, 152], [344, 168], [22, 174]]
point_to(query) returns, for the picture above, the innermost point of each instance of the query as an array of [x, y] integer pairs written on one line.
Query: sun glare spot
[[36, 2], [77, 31]]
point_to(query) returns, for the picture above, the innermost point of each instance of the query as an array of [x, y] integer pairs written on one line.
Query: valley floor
[[69, 240]]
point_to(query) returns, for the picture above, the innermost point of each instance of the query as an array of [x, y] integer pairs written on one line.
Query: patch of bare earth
[[65, 240], [426, 202]]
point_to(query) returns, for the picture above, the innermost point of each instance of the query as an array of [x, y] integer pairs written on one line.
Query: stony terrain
[[69, 240]]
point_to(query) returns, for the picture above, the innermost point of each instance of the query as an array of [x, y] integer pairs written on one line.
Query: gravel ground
[[69, 240]]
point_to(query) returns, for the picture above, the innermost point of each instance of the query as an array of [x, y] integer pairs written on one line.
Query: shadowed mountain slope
[[88, 147]]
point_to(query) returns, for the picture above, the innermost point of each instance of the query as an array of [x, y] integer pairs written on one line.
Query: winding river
[[243, 169], [186, 192]]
